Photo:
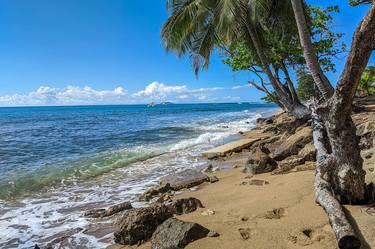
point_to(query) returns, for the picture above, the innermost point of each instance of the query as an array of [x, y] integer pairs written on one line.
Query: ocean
[[57, 161]]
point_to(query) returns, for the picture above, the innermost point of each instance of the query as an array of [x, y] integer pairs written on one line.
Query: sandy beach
[[271, 210]]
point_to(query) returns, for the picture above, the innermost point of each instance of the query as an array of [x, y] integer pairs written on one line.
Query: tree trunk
[[289, 82], [340, 177], [349, 177], [323, 189], [309, 52], [346, 174], [292, 106]]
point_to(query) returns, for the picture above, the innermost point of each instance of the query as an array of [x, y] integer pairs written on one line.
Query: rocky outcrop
[[138, 225], [185, 179], [306, 166], [260, 162], [185, 206], [156, 191], [100, 213], [308, 152], [293, 144], [288, 164], [176, 234]]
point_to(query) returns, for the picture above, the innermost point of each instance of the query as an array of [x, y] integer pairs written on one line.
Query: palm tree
[[198, 27], [339, 177], [309, 52]]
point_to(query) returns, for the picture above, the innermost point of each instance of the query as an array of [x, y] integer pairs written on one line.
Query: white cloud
[[75, 95], [156, 91], [160, 90], [240, 87], [71, 95]]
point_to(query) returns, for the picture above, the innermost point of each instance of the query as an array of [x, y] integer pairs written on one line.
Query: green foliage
[[285, 47], [306, 85], [367, 82], [197, 27], [326, 42], [271, 99]]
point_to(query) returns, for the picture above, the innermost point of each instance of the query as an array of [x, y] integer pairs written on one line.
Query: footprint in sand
[[245, 233], [255, 182], [306, 237]]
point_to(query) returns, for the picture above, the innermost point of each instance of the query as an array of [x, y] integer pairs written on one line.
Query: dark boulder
[[176, 234], [185, 179], [138, 225], [185, 206], [260, 162]]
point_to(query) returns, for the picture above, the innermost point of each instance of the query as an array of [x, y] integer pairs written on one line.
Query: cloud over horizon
[[75, 95], [70, 95]]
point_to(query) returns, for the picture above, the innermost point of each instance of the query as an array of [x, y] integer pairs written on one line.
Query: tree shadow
[[358, 232]]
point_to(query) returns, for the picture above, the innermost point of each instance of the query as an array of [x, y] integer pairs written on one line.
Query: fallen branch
[[346, 237]]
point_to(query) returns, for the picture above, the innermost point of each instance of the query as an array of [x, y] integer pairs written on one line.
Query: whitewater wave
[[106, 179]]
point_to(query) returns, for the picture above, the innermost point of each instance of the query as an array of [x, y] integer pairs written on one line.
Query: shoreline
[[275, 209], [68, 220]]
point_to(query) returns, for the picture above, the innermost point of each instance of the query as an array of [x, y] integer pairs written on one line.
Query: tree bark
[[340, 177], [343, 230], [363, 43], [310, 55]]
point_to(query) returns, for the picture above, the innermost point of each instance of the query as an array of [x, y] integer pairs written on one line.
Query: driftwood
[[346, 237]]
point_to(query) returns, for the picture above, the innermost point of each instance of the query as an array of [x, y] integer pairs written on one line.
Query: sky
[[67, 52]]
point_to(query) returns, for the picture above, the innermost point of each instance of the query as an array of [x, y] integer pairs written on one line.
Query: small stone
[[371, 169], [245, 218], [213, 179], [235, 166], [213, 234], [208, 212]]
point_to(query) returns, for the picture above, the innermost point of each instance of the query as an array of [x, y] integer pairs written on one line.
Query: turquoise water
[[41, 146], [54, 161]]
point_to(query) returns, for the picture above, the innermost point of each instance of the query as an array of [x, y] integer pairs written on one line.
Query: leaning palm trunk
[[309, 52], [286, 97], [340, 178]]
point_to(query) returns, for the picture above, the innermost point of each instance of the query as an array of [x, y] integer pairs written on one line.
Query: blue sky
[[109, 51]]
